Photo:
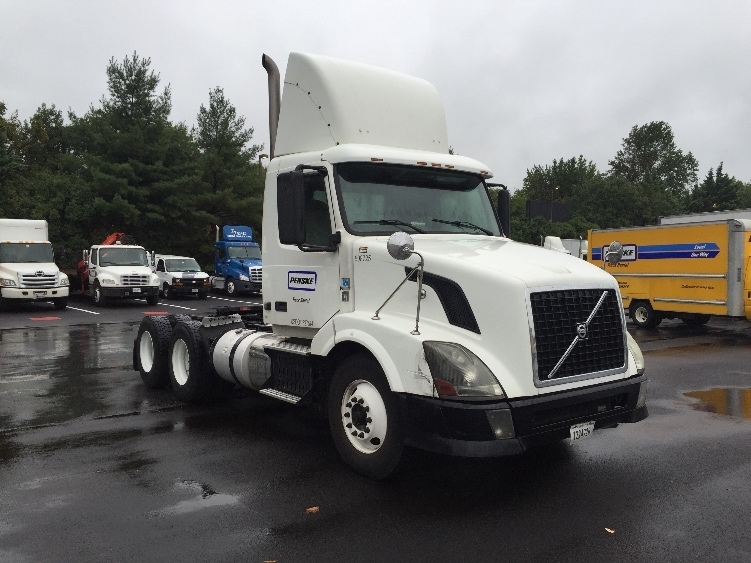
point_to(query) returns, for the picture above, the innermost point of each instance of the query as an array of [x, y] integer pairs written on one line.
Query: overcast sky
[[523, 82]]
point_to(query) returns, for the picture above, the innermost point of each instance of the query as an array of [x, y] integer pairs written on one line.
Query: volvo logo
[[581, 331]]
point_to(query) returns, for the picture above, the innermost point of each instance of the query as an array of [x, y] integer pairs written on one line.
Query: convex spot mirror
[[400, 245], [614, 253]]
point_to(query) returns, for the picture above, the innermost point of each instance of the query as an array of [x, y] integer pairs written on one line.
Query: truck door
[[304, 289]]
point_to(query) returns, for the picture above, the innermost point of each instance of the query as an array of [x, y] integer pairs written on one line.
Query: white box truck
[[393, 301], [27, 265]]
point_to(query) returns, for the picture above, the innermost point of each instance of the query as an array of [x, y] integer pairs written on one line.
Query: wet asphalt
[[95, 467]]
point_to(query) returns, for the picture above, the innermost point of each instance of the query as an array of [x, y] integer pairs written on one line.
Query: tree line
[[649, 177], [123, 166]]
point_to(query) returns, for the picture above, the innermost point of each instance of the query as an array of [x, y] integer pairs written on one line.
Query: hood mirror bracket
[[400, 246]]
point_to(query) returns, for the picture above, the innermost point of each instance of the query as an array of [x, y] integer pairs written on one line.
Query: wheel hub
[[364, 416]]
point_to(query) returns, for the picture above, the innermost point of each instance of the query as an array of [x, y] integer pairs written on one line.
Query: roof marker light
[[420, 163], [376, 159]]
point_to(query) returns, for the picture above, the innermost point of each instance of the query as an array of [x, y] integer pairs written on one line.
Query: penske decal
[[632, 252], [302, 281]]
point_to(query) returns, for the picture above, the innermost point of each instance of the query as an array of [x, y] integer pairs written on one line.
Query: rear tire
[[364, 418], [188, 372], [150, 350], [643, 315]]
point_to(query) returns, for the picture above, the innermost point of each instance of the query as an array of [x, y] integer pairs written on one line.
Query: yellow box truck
[[688, 271]]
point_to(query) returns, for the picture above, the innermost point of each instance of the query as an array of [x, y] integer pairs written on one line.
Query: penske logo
[[302, 281]]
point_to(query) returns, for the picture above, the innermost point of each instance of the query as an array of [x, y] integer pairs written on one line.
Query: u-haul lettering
[[302, 281]]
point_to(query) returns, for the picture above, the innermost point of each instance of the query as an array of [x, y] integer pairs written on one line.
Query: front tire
[[364, 418], [99, 299], [60, 303], [697, 319], [166, 291], [151, 351], [188, 374], [230, 287], [152, 299]]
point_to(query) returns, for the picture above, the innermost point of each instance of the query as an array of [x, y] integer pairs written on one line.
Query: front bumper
[[188, 290], [248, 286], [130, 292], [464, 428], [33, 294]]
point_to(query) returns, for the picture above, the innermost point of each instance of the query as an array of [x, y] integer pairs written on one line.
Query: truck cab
[[237, 261], [28, 271], [393, 299], [180, 276]]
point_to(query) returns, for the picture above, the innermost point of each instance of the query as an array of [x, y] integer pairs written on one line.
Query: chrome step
[[281, 395], [289, 347]]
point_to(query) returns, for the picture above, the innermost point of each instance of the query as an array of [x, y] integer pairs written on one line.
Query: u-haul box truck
[[687, 271]]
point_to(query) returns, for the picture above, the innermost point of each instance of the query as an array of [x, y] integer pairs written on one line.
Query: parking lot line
[[83, 310]]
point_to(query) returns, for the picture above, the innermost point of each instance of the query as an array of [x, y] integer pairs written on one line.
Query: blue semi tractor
[[237, 261]]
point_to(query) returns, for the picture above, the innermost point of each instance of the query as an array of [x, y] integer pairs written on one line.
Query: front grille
[[134, 280], [256, 274], [36, 280], [556, 315], [193, 282]]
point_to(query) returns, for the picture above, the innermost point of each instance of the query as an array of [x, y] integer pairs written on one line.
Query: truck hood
[[28, 267], [534, 266], [246, 262]]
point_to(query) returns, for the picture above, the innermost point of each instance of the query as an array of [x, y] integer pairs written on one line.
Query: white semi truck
[[27, 266], [393, 299]]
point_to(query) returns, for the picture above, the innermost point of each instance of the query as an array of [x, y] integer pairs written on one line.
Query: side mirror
[[504, 211], [290, 207], [614, 253], [400, 245], [86, 258]]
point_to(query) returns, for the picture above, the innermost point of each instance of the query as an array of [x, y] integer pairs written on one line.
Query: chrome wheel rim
[[364, 416]]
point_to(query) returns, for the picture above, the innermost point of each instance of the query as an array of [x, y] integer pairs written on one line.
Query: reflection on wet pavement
[[205, 497], [729, 401]]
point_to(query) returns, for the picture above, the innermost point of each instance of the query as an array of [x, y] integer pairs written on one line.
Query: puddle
[[205, 497], [734, 402]]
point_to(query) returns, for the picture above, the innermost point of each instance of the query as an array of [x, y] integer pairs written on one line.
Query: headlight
[[206, 281], [636, 352], [177, 281], [106, 281], [243, 277], [64, 280], [7, 283], [457, 372]]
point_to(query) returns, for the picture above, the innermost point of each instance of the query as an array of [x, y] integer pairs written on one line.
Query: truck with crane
[[118, 268], [393, 300]]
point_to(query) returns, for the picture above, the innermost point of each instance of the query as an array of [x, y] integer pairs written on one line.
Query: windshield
[[114, 256], [244, 252], [13, 252], [182, 265], [378, 198]]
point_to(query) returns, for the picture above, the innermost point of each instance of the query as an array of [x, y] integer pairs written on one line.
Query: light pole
[[552, 192]]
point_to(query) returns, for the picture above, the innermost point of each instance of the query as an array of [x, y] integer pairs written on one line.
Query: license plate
[[136, 290], [40, 294], [194, 290], [582, 430]]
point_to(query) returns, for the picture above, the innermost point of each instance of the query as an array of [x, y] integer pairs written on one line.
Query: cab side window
[[317, 218], [160, 266]]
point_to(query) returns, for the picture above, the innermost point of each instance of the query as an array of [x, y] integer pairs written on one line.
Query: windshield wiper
[[464, 224], [395, 222]]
